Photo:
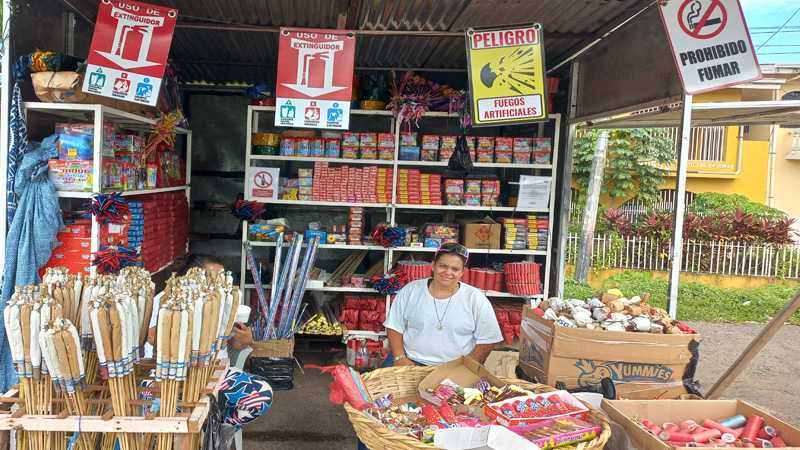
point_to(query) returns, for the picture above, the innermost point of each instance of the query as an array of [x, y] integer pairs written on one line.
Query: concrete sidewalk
[[304, 417]]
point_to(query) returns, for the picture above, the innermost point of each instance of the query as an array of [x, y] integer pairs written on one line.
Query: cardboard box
[[65, 87], [463, 371], [493, 411], [483, 233], [502, 364], [660, 411], [283, 348], [492, 437], [642, 365]]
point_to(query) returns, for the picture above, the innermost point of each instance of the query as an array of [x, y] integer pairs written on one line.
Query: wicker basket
[[404, 381], [283, 348]]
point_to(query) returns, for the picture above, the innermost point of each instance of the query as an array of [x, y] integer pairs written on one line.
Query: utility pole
[[590, 213]]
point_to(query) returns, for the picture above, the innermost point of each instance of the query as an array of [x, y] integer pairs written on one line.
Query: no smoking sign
[[703, 19], [710, 43]]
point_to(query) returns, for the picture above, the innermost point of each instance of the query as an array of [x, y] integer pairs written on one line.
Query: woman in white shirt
[[433, 321]]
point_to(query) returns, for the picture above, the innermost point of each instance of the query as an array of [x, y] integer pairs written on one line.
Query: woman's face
[[447, 270], [213, 267]]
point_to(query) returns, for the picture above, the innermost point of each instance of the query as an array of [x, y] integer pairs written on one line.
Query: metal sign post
[[680, 194]]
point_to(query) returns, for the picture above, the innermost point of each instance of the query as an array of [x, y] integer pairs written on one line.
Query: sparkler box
[[463, 371], [660, 411], [282, 348], [642, 365]]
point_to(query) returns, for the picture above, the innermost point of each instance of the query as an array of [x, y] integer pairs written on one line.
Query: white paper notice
[[534, 192], [493, 437]]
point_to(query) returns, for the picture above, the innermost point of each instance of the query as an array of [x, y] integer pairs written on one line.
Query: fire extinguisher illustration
[[316, 70]]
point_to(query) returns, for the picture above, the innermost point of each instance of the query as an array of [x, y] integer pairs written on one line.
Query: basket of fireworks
[[404, 381]]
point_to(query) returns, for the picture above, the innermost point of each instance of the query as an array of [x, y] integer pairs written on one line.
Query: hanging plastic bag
[[347, 386], [460, 159], [278, 371], [215, 429]]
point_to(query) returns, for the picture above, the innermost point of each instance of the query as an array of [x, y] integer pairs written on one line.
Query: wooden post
[[752, 350], [584, 259]]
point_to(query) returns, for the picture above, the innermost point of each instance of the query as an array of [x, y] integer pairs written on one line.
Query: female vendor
[[433, 321], [246, 396]]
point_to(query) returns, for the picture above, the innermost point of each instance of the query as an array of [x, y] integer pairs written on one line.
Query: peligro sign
[[506, 74]]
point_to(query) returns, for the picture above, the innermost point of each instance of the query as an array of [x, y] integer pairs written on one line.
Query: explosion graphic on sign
[[515, 71]]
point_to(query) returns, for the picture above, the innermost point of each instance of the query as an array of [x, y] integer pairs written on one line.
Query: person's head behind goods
[[448, 264], [188, 260]]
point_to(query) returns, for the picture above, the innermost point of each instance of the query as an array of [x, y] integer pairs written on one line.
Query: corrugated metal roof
[[227, 52]]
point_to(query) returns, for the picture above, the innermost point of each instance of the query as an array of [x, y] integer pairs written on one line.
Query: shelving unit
[[80, 112], [393, 209]]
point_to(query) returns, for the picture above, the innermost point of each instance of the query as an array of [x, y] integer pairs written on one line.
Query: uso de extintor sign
[[129, 51], [506, 74], [710, 43], [315, 78]]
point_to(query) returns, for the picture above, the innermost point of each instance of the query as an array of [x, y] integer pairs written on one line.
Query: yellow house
[[759, 162]]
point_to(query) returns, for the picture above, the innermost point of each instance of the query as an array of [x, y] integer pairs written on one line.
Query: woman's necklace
[[440, 327]]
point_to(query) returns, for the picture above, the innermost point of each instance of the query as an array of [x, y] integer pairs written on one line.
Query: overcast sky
[[764, 18]]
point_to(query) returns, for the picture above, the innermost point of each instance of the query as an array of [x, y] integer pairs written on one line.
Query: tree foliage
[[634, 162], [711, 203]]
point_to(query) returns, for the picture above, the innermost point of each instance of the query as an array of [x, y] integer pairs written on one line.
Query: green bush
[[698, 301]]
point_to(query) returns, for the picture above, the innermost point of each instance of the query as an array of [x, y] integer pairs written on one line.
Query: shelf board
[[378, 162], [359, 334], [87, 194], [470, 208], [477, 165], [339, 246], [355, 112], [508, 295], [77, 111], [313, 203], [476, 251], [325, 289]]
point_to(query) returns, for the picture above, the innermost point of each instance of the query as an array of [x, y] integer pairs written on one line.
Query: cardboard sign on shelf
[[315, 78], [506, 74], [129, 51], [710, 43], [263, 183]]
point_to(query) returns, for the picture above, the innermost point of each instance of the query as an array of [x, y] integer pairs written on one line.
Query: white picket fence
[[711, 257]]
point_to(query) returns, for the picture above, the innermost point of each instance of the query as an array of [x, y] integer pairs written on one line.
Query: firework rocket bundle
[[286, 293], [45, 349], [194, 321], [66, 289]]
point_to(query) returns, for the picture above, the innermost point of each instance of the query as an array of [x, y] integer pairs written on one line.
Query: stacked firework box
[[447, 145], [538, 225], [355, 226], [165, 231], [515, 233], [300, 188], [73, 250], [369, 184], [135, 238]]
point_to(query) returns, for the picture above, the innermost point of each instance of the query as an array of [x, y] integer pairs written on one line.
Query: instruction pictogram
[[702, 19], [263, 179]]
